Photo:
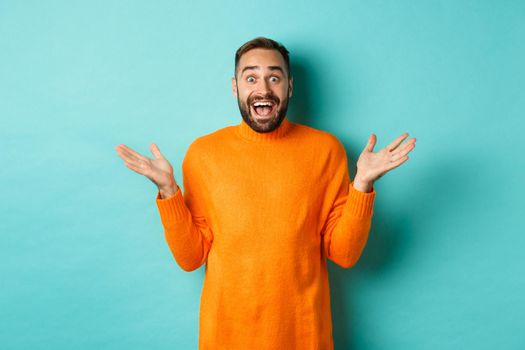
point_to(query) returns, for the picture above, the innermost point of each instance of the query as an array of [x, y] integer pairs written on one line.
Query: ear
[[290, 82], [234, 86]]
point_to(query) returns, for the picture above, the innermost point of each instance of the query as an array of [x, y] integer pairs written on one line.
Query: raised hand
[[371, 166], [158, 169]]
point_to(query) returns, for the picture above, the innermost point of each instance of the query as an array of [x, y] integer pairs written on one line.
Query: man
[[266, 203]]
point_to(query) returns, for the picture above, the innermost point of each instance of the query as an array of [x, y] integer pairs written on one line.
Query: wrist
[[168, 191], [362, 185]]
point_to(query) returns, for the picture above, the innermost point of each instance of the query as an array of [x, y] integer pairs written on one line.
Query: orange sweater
[[265, 211]]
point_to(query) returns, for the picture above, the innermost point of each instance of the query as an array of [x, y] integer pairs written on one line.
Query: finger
[[371, 143], [132, 159], [124, 153], [156, 151], [392, 146], [135, 168], [407, 146], [397, 163], [127, 156], [131, 152], [126, 148], [142, 167], [402, 151], [134, 156]]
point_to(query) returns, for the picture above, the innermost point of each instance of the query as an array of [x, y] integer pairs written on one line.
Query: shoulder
[[324, 141], [204, 145]]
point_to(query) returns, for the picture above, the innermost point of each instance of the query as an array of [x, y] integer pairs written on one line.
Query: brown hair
[[263, 43]]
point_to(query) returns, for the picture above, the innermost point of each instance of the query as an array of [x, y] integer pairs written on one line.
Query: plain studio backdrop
[[84, 263]]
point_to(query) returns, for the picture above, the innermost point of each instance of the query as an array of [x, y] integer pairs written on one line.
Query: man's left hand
[[371, 166]]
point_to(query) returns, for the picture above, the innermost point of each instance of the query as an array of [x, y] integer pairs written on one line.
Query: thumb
[[155, 151], [371, 143]]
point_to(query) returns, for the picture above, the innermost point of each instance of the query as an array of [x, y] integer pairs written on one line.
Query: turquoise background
[[84, 261]]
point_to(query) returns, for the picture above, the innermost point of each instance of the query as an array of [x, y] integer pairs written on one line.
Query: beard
[[266, 125]]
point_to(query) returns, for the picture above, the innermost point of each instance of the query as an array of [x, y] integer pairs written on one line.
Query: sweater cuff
[[362, 203], [171, 209]]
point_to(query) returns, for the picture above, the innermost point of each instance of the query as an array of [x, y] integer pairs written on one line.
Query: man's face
[[262, 88]]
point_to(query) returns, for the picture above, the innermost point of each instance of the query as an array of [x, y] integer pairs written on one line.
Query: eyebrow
[[258, 67]]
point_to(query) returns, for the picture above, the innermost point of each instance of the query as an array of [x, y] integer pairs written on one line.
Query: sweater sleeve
[[186, 229], [346, 229]]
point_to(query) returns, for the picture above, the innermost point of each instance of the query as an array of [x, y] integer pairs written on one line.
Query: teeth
[[257, 104]]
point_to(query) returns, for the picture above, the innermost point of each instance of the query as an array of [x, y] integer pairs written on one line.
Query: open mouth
[[263, 109]]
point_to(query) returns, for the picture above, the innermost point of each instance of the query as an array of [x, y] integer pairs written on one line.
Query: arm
[[345, 232], [187, 233], [186, 230]]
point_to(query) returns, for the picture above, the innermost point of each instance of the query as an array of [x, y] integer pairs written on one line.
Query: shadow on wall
[[398, 230], [300, 106], [395, 229]]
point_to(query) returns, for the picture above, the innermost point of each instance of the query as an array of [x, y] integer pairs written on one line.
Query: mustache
[[268, 97]]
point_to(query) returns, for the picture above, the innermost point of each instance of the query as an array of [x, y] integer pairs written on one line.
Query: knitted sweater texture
[[264, 212]]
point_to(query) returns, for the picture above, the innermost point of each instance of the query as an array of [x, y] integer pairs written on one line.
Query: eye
[[250, 79], [274, 79]]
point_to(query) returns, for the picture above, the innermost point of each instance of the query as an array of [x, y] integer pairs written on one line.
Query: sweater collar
[[246, 132]]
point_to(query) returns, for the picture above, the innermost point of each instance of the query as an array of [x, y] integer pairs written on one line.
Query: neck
[[246, 132]]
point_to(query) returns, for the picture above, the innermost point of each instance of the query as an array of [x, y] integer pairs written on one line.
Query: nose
[[264, 86]]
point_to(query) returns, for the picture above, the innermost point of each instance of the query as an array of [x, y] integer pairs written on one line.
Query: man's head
[[262, 83]]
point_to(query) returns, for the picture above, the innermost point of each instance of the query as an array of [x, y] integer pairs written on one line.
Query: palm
[[158, 169], [371, 166]]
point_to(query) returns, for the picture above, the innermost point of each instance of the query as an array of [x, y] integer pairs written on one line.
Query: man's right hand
[[158, 170]]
